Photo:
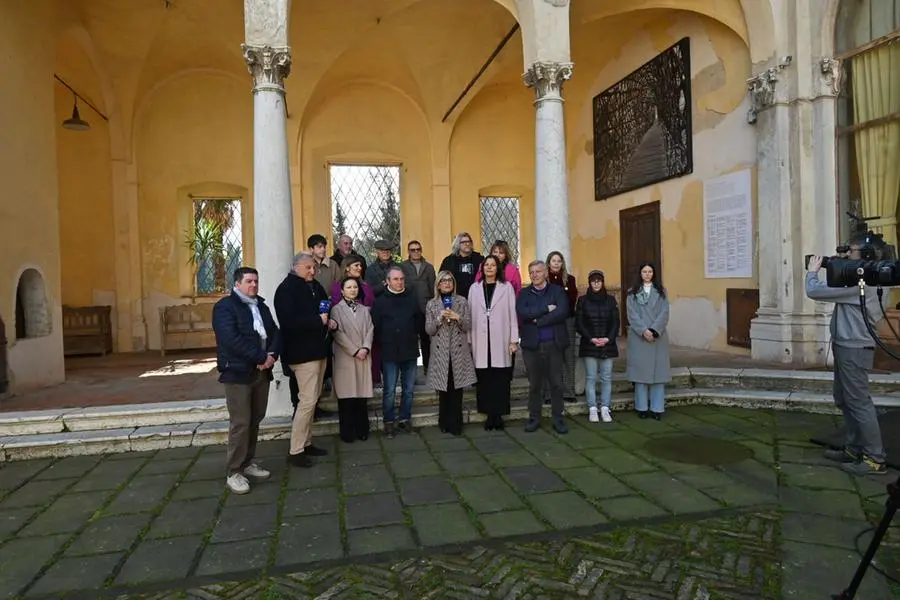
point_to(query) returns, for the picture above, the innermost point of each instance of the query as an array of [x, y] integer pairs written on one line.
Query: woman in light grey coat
[[448, 321], [648, 364]]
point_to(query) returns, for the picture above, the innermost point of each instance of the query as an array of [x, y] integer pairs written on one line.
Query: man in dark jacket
[[376, 273], [247, 343], [303, 310], [542, 308], [395, 316]]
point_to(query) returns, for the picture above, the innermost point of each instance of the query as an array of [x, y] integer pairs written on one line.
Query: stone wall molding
[[761, 88], [557, 2], [547, 79], [268, 65]]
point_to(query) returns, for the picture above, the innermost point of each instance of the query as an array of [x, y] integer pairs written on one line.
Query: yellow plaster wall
[[365, 123], [194, 134], [723, 143], [29, 205], [491, 153], [87, 251]]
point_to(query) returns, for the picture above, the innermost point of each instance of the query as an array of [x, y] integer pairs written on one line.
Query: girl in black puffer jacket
[[597, 321]]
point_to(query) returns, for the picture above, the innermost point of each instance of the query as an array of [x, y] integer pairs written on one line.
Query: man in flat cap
[[376, 273]]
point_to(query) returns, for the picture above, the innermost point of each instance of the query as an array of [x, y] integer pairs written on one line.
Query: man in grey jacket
[[420, 280], [854, 356]]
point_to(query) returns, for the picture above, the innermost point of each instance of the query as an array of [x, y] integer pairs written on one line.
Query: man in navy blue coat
[[542, 308], [248, 344]]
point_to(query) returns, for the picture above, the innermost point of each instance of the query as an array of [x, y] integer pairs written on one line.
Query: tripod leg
[[883, 526]]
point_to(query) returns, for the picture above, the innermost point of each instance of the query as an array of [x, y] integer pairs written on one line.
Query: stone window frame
[[848, 184]]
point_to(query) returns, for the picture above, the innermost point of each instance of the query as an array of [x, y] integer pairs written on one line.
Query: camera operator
[[854, 356]]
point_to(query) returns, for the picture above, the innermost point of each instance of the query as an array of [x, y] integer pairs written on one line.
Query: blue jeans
[[593, 367], [657, 397], [406, 372]]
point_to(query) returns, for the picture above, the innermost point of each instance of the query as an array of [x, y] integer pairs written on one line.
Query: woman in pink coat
[[500, 250], [494, 338]]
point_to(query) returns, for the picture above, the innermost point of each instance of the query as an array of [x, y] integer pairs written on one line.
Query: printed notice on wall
[[728, 226]]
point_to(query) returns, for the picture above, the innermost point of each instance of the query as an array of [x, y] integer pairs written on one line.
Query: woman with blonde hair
[[450, 370]]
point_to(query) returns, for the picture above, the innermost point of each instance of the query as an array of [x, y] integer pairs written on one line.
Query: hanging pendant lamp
[[75, 122]]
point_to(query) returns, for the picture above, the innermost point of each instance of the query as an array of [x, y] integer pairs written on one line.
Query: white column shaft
[[272, 209], [551, 177]]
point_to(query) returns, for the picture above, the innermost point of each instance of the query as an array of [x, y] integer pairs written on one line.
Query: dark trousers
[[353, 419], [862, 434], [545, 363], [247, 405], [425, 343], [450, 417]]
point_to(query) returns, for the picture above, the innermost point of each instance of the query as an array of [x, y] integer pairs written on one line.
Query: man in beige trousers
[[303, 309]]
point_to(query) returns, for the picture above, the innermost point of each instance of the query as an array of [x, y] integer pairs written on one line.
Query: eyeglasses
[[446, 280], [465, 241], [415, 249]]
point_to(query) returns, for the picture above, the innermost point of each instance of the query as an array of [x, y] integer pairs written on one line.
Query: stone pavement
[[708, 503]]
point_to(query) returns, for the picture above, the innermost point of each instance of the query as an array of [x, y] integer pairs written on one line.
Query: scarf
[[253, 303], [643, 296], [353, 304]]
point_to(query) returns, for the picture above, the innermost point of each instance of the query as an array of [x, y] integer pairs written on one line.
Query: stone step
[[782, 380], [215, 431]]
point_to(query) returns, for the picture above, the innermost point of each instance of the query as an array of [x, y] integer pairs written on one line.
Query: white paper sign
[[728, 226]]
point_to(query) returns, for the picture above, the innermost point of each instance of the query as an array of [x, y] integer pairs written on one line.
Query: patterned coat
[[648, 362], [352, 377], [449, 345]]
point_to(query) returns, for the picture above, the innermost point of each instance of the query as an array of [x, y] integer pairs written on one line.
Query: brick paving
[[708, 503]]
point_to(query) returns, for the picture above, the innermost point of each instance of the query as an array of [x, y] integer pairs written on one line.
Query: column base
[[279, 395], [791, 338]]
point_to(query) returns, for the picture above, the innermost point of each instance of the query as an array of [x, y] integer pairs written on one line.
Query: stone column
[[272, 210], [793, 108], [551, 189]]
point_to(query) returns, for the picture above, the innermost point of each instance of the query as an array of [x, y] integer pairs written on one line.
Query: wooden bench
[[87, 330], [186, 326]]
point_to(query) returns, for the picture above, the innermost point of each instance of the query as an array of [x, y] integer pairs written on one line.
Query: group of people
[[359, 323]]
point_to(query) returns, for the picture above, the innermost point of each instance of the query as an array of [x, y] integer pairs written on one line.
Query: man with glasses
[[376, 273], [420, 281], [463, 262]]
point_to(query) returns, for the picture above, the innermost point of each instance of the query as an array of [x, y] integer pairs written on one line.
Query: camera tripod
[[893, 502]]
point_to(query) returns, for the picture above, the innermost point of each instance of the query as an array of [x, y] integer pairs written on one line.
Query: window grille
[[365, 204], [500, 221], [217, 243]]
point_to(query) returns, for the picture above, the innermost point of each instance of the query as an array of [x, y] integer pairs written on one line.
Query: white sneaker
[[237, 483], [256, 472], [605, 414], [592, 417]]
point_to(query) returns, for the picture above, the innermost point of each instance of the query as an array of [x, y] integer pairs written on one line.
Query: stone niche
[[33, 316]]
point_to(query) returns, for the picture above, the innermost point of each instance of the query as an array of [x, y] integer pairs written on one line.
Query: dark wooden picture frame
[[643, 125]]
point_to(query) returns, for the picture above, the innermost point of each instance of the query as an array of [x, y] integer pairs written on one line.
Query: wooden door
[[639, 240]]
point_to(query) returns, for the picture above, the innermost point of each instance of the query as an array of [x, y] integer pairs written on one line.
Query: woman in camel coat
[[447, 321], [352, 362]]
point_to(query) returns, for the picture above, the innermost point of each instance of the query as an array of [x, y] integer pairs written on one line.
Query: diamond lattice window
[[217, 243], [365, 204], [500, 221]]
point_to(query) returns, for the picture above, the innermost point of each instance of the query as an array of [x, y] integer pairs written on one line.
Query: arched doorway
[[867, 40]]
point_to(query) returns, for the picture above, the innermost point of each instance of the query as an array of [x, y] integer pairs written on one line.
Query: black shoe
[[315, 451], [489, 423], [299, 460], [656, 415], [321, 413], [363, 437], [498, 424], [389, 429], [404, 427], [643, 414], [532, 425], [559, 424]]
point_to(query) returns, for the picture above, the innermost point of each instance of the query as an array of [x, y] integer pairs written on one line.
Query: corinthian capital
[[269, 66], [547, 78], [761, 88]]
